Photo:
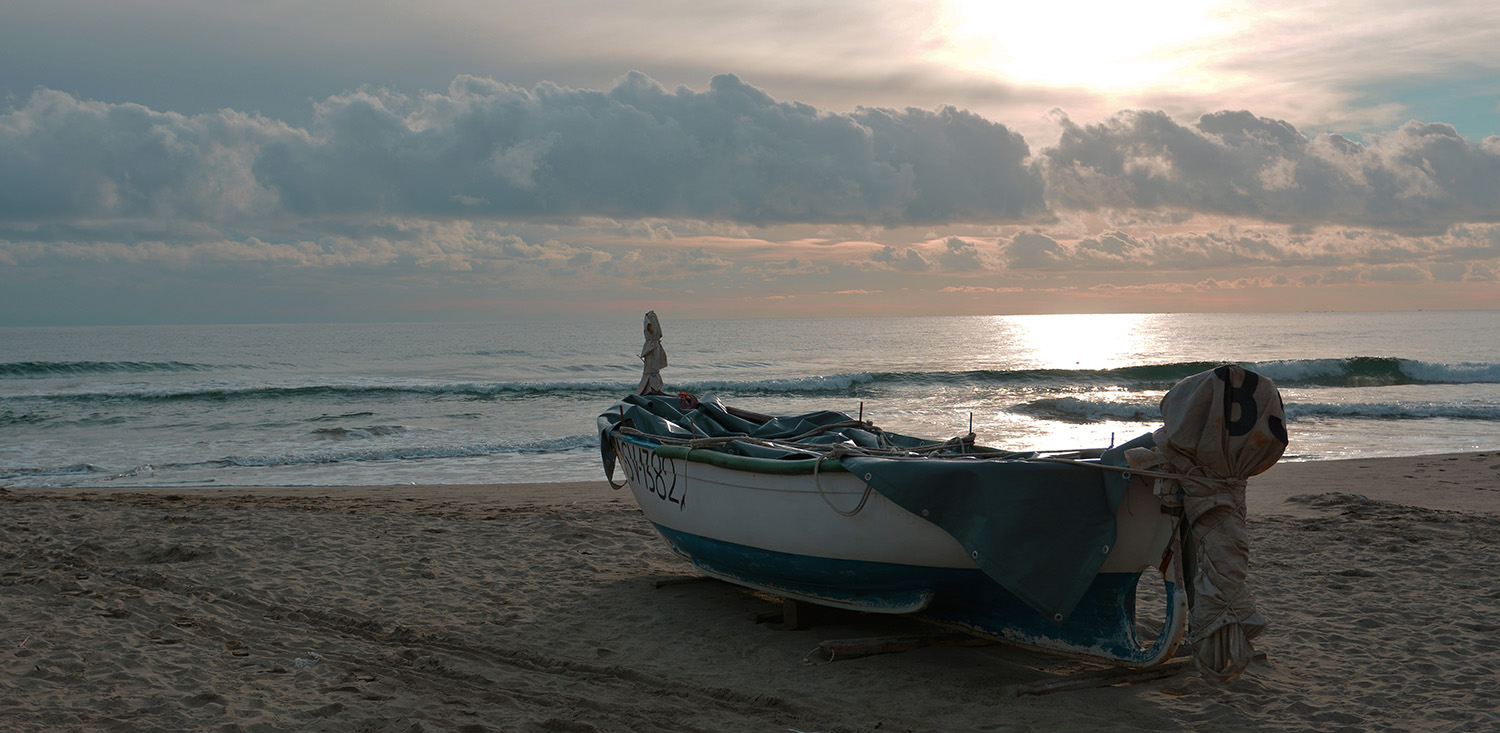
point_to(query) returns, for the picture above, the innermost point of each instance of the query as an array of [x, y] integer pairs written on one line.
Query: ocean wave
[[833, 383], [838, 383], [373, 431], [21, 417], [1346, 372], [568, 444], [1393, 411], [1354, 372], [271, 392], [32, 369], [590, 368], [1076, 410], [1072, 409], [42, 419], [1372, 371], [345, 416], [48, 474], [72, 469]]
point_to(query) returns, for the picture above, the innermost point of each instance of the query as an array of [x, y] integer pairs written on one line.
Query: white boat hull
[[827, 538]]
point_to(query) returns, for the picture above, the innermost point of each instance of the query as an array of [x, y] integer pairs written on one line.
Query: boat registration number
[[651, 472]]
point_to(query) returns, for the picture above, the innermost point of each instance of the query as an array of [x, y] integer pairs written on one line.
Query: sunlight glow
[[1093, 341], [1090, 44]]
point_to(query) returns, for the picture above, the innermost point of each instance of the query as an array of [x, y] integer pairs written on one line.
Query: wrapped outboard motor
[[653, 357], [1221, 427]]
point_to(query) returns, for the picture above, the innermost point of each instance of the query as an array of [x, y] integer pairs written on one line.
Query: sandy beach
[[534, 608]]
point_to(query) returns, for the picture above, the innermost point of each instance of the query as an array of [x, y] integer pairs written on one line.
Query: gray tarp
[[1226, 425], [1040, 530], [672, 417]]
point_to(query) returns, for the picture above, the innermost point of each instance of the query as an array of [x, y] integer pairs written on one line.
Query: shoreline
[[1423, 481]]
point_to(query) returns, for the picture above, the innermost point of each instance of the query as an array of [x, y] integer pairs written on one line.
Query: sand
[[533, 608]]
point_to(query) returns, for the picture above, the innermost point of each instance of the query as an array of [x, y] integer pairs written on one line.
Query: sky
[[341, 160]]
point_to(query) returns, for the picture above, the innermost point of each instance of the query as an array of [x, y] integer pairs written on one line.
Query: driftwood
[[1109, 677], [664, 582], [835, 649]]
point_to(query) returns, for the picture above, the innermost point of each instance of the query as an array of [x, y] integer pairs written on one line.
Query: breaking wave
[[1072, 409], [1076, 410], [1393, 411], [1361, 371], [1349, 372]]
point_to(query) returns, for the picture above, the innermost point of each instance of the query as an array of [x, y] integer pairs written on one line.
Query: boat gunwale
[[777, 466]]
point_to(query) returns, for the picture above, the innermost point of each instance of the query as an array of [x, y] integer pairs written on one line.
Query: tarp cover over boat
[[1041, 530]]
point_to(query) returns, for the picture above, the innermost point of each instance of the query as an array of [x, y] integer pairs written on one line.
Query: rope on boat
[[835, 453], [1191, 475], [824, 451]]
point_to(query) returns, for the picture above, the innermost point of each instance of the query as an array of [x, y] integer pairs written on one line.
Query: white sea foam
[[1073, 409], [1466, 373], [828, 383], [1393, 410]]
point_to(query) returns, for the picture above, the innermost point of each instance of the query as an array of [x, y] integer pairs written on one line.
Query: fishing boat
[[1044, 550]]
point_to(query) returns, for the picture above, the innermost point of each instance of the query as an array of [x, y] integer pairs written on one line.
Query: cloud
[[1234, 247], [1421, 179], [905, 259], [961, 255], [1398, 274], [487, 150], [64, 158], [1029, 250], [644, 191], [980, 289], [640, 152]]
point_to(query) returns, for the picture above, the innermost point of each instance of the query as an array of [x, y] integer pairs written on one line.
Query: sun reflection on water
[[1093, 341]]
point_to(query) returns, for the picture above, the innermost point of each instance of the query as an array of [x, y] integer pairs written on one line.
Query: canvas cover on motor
[[1226, 425], [653, 356]]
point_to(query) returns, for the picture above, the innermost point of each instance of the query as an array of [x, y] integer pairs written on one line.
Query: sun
[[1088, 44]]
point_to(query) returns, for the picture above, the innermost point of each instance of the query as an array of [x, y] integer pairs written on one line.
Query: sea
[[311, 405]]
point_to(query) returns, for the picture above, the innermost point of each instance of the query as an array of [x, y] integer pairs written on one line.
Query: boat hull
[[827, 538]]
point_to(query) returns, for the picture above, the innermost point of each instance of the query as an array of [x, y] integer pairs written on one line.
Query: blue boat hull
[[1102, 626]]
